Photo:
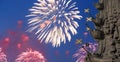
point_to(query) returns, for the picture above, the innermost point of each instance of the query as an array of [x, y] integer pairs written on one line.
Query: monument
[[107, 32]]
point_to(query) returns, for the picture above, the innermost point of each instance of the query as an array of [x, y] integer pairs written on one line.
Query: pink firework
[[3, 57], [86, 49], [30, 56]]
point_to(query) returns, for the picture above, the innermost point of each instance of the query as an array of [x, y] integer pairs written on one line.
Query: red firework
[[20, 22]]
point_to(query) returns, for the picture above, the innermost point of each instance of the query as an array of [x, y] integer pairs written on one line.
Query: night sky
[[13, 25]]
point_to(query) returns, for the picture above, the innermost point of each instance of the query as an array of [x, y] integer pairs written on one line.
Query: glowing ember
[[12, 32], [7, 39], [85, 33], [56, 53], [67, 52], [24, 37], [19, 45], [20, 22]]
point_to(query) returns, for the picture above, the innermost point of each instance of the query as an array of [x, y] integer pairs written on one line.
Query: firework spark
[[84, 50], [30, 56], [3, 57], [54, 20]]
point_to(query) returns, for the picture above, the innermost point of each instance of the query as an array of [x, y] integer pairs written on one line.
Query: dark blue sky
[[13, 10]]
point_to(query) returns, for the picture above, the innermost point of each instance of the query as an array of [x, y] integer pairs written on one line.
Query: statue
[[107, 34]]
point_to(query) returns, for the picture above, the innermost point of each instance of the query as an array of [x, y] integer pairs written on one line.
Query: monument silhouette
[[107, 32]]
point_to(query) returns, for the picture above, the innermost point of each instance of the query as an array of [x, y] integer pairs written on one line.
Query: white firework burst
[[30, 56], [3, 57], [54, 20]]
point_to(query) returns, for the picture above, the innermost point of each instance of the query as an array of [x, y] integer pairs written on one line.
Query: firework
[[3, 57], [30, 56], [54, 20], [86, 49]]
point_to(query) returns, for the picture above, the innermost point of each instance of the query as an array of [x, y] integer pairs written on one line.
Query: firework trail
[[30, 56], [3, 57], [54, 20], [84, 51]]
